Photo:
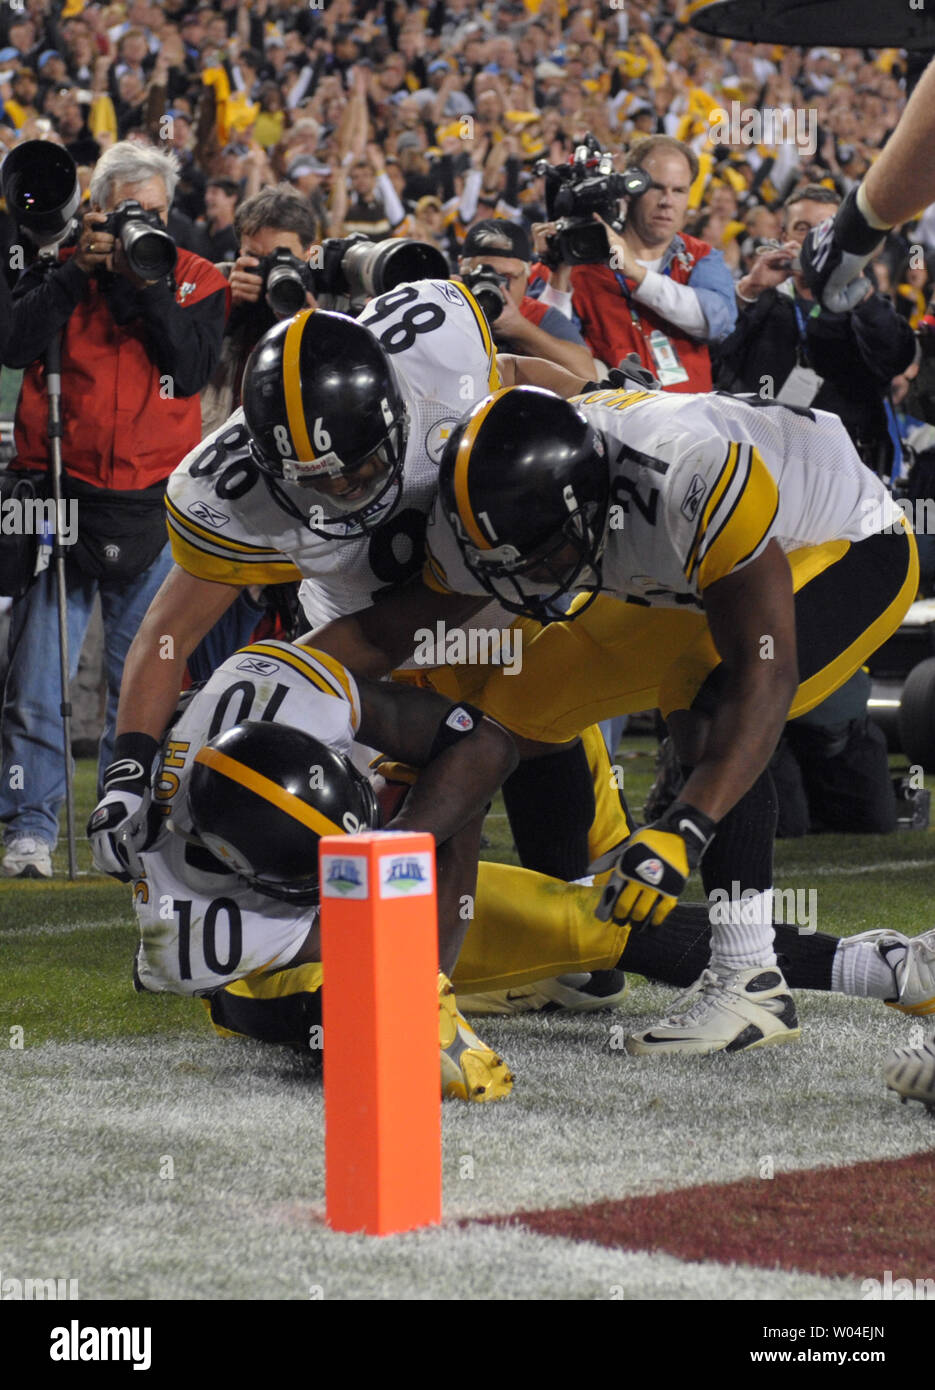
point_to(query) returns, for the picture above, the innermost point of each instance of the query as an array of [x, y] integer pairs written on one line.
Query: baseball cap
[[44, 57], [440, 65], [409, 140], [305, 164], [548, 69], [495, 236], [10, 55]]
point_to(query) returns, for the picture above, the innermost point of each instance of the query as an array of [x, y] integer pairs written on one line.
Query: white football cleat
[[27, 857], [912, 961], [583, 993], [910, 1072], [728, 1012]]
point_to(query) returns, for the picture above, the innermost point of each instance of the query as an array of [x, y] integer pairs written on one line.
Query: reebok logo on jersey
[[257, 666], [692, 501], [460, 719], [209, 516], [449, 291], [651, 871]]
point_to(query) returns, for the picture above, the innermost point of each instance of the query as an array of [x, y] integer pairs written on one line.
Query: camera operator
[[137, 346], [787, 347], [660, 293], [496, 257], [277, 220]]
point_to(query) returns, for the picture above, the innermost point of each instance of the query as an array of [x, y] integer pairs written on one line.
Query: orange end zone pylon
[[379, 945]]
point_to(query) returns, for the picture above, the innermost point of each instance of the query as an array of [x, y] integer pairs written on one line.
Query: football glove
[[834, 255], [117, 827], [654, 866]]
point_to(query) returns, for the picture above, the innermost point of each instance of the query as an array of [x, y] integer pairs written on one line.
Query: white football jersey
[[699, 485], [202, 927], [225, 524]]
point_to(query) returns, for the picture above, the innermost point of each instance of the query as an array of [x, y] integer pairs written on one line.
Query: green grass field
[[103, 1086]]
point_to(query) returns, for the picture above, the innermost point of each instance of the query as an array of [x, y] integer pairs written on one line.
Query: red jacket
[[609, 330], [133, 363]]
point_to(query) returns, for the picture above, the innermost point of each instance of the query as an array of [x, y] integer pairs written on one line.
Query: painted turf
[[192, 1168]]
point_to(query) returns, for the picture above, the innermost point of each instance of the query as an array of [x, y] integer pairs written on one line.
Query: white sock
[[742, 932], [858, 969]]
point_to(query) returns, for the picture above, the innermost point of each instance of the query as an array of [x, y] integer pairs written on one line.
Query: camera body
[[286, 280], [485, 285], [575, 191], [149, 250]]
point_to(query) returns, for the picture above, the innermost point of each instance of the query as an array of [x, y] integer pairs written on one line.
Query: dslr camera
[[576, 190], [286, 279], [149, 250], [485, 285]]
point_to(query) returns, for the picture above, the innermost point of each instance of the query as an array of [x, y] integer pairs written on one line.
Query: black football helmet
[[321, 399], [262, 795], [525, 484]]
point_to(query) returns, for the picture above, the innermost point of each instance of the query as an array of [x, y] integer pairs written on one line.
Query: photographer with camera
[[495, 264], [787, 347], [141, 326], [275, 231], [641, 284]]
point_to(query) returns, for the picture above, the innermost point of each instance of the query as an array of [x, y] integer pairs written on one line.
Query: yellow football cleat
[[470, 1070]]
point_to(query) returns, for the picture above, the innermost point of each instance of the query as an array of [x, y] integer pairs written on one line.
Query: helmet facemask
[[568, 560]]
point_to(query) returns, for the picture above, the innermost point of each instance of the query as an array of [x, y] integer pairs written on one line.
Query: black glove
[[631, 375]]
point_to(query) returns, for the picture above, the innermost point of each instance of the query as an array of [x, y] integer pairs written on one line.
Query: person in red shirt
[[135, 354], [662, 294]]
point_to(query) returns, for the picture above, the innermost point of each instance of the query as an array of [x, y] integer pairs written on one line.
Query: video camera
[[576, 190], [353, 269]]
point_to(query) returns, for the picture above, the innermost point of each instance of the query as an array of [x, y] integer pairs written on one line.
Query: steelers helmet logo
[[437, 438]]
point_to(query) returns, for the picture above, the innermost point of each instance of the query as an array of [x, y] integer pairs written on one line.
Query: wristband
[[852, 232], [695, 828], [134, 754]]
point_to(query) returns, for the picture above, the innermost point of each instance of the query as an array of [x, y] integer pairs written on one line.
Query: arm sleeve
[[705, 308], [43, 302], [392, 206], [185, 338], [557, 299], [473, 180]]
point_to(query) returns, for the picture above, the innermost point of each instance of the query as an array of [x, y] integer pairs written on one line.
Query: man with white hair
[[136, 350]]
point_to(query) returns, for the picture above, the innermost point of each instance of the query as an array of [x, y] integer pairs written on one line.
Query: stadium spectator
[[219, 240], [148, 347], [788, 350]]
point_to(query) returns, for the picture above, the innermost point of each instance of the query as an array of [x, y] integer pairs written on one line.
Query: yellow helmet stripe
[[462, 463], [292, 385], [269, 790]]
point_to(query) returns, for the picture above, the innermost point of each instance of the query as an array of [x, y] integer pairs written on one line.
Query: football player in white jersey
[[248, 778], [737, 564], [255, 769], [327, 474]]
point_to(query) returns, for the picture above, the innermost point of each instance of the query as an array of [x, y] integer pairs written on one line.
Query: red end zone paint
[[852, 1221]]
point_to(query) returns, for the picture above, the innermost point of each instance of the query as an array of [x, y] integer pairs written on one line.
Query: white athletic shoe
[[910, 1071], [728, 1013], [27, 857], [912, 961], [583, 993]]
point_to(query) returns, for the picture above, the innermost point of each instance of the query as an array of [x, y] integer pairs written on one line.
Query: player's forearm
[[535, 371], [360, 644], [571, 357], [742, 736], [456, 786], [902, 180], [152, 679]]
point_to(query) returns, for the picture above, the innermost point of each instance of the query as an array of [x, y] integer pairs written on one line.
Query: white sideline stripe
[[826, 870]]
